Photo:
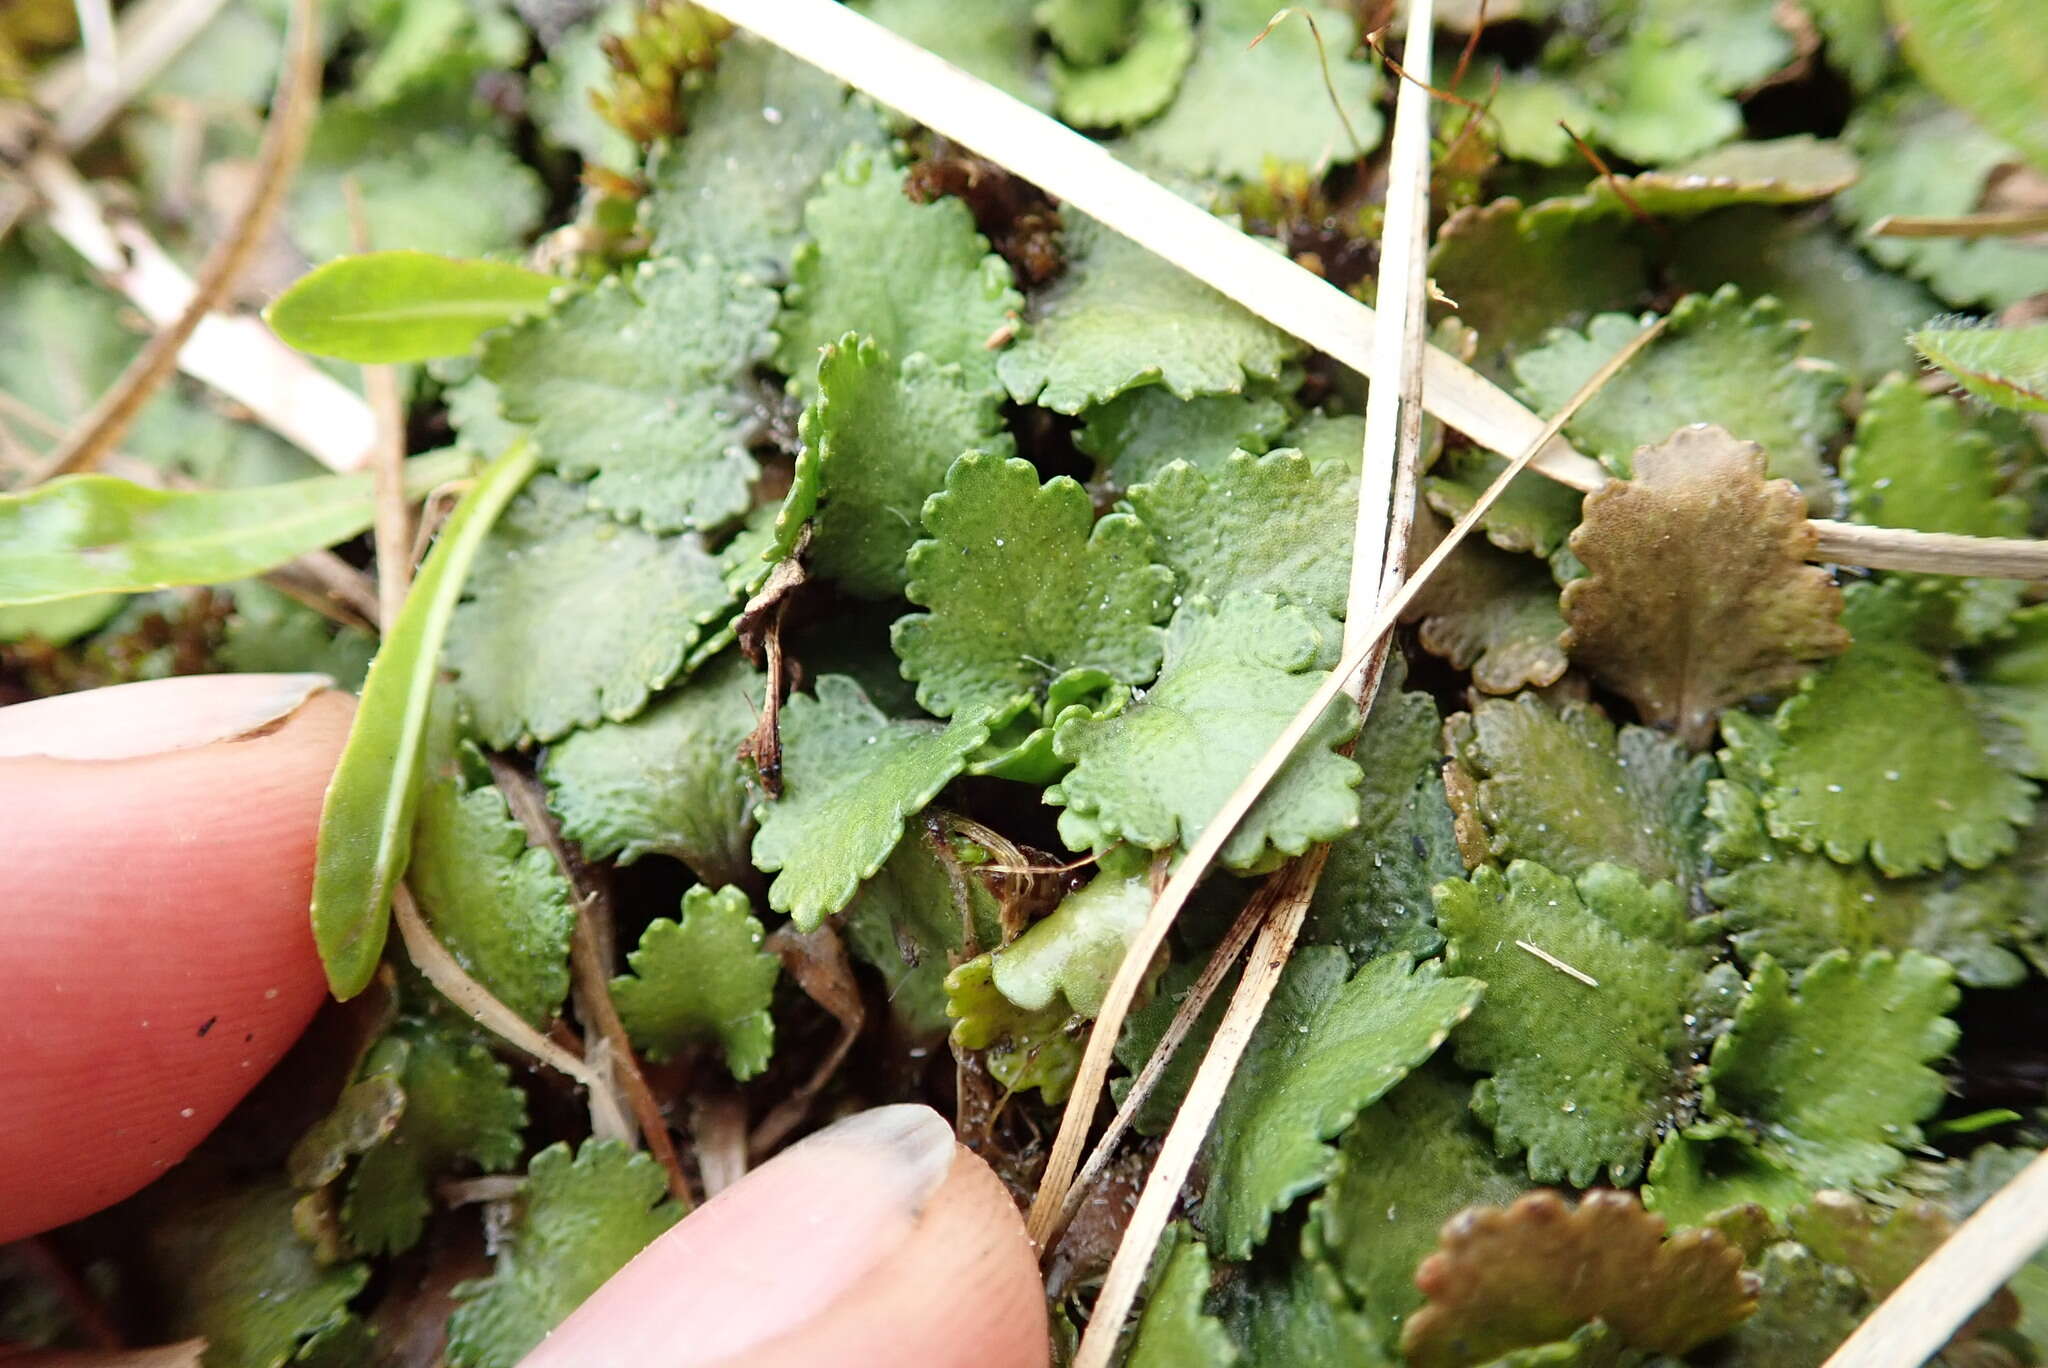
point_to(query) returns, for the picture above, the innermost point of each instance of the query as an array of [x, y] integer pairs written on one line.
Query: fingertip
[[876, 1242]]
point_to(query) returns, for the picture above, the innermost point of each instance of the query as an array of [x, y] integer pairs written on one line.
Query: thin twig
[[607, 1121], [1084, 174], [2012, 223], [1613, 182], [590, 964], [1917, 1319], [284, 144]]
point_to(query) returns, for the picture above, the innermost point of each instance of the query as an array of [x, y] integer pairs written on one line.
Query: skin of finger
[[155, 952], [827, 1255]]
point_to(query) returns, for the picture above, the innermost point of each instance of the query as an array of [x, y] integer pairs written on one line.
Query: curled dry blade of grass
[[1386, 501], [366, 824], [284, 146], [592, 958], [607, 1120], [1083, 173]]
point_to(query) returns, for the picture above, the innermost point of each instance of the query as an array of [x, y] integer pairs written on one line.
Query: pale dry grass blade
[[1916, 1320]]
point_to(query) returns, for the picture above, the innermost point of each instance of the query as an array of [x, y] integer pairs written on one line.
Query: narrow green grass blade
[[366, 825], [94, 534], [403, 306]]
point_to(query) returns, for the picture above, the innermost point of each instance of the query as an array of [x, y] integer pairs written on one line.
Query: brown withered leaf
[[1489, 611], [1503, 1278], [1698, 592]]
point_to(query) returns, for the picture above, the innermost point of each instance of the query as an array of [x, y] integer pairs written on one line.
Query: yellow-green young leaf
[[1074, 951], [2003, 366], [1989, 57], [580, 1222], [94, 534], [705, 979], [389, 307], [1021, 1049], [366, 824]]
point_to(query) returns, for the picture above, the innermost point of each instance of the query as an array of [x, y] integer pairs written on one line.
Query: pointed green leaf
[[387, 307]]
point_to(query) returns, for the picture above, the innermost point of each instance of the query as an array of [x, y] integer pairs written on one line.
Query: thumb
[[877, 1242]]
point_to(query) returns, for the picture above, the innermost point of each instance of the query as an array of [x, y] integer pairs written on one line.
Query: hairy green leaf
[[1582, 1077], [581, 1221], [2003, 366], [637, 385], [1272, 523], [850, 779], [367, 819], [704, 978], [1235, 673], [1025, 585], [878, 441], [1985, 56], [914, 277], [668, 782], [387, 307], [531, 661], [1833, 1078], [1121, 318], [1330, 1044], [500, 906]]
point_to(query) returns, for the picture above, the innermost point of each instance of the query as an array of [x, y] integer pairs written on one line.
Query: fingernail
[[154, 717], [770, 1252]]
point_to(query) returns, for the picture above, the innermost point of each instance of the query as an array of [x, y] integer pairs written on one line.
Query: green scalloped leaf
[[1297, 1312], [914, 277], [1120, 317], [1559, 786], [530, 658], [501, 906], [668, 782], [1235, 673], [905, 921], [461, 1109], [1493, 613], [1722, 361], [1174, 1331], [851, 777], [1846, 780], [1207, 131], [1142, 431], [703, 979], [1331, 1043], [1794, 906], [1859, 312], [1517, 272], [1088, 32], [1137, 83], [1373, 897], [638, 385], [1409, 1163], [2007, 367], [1535, 514], [1272, 523], [1834, 1078], [762, 133], [1987, 57], [1582, 1078], [878, 441], [581, 1221], [1924, 157], [1024, 585]]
